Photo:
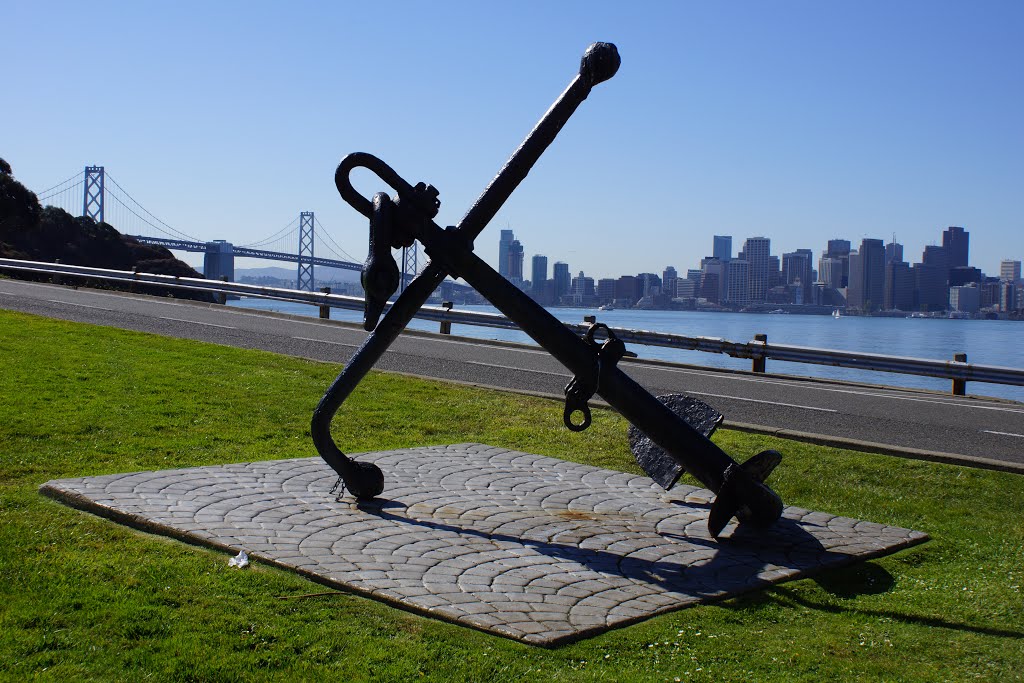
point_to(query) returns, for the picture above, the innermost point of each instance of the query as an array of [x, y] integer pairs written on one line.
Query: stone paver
[[521, 545]]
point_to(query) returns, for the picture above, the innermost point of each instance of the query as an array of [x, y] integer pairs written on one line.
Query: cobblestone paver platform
[[521, 545]]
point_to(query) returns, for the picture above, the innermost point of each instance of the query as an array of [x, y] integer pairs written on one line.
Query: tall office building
[[1009, 270], [626, 290], [866, 289], [515, 262], [722, 247], [563, 281], [757, 252], [930, 290], [830, 272], [737, 281], [713, 279], [899, 286], [504, 245], [840, 249], [893, 252], [797, 269], [669, 277], [956, 241], [939, 257], [538, 274]]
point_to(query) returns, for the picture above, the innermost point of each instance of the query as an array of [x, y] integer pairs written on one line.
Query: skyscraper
[[563, 281], [538, 275], [669, 277], [515, 262], [504, 244], [757, 252], [737, 288], [797, 268], [956, 241], [722, 247], [899, 286], [1009, 270], [866, 289], [840, 249], [939, 257], [893, 252]]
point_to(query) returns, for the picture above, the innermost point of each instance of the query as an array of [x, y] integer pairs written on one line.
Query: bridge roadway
[[987, 432]]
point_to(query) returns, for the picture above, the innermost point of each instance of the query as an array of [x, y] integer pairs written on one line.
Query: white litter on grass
[[239, 561]]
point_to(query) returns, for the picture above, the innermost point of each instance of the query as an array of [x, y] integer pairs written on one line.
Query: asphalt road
[[982, 431]]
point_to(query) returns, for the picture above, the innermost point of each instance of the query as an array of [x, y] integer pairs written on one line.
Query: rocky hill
[[30, 232]]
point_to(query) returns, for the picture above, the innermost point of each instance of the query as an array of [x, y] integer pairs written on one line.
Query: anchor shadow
[[720, 569]]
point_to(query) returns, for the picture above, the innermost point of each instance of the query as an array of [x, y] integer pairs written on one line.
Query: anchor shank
[[702, 458], [599, 63]]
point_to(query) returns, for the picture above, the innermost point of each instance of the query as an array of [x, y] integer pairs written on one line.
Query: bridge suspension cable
[[276, 236], [60, 187], [166, 229], [337, 250]]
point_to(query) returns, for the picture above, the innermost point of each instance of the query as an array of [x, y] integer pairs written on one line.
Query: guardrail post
[[758, 365], [325, 311], [56, 278], [222, 297], [446, 325], [959, 385], [135, 276]]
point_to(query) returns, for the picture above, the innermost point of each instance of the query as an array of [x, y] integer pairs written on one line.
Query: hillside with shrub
[[31, 232]]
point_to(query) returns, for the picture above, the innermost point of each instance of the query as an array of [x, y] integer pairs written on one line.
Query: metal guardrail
[[958, 370]]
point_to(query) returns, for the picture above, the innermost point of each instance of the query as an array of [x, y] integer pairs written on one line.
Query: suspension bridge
[[304, 241]]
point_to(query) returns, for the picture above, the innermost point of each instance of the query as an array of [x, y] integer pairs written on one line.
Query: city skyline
[[795, 121], [870, 277]]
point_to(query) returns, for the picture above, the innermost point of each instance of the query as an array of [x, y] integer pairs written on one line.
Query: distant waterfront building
[[830, 272], [866, 289], [582, 289], [899, 286], [1008, 300], [538, 274], [893, 252], [1009, 270], [668, 280], [937, 256], [648, 284], [774, 272], [515, 262], [504, 244], [956, 242], [966, 299], [840, 249], [563, 280], [606, 290], [757, 254], [964, 275], [626, 290], [796, 270], [738, 281], [722, 247], [712, 279], [930, 291]]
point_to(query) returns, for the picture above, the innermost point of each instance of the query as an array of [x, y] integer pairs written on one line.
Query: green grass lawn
[[82, 598]]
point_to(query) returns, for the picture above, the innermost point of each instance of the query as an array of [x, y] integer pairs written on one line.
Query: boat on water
[[836, 313], [606, 307]]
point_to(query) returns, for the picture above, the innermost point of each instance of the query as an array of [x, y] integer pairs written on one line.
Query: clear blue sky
[[799, 121]]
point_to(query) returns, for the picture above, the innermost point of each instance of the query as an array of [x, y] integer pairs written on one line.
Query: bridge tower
[[409, 266], [305, 277], [92, 203]]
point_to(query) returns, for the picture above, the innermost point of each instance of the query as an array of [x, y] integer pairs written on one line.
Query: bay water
[[987, 342]]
